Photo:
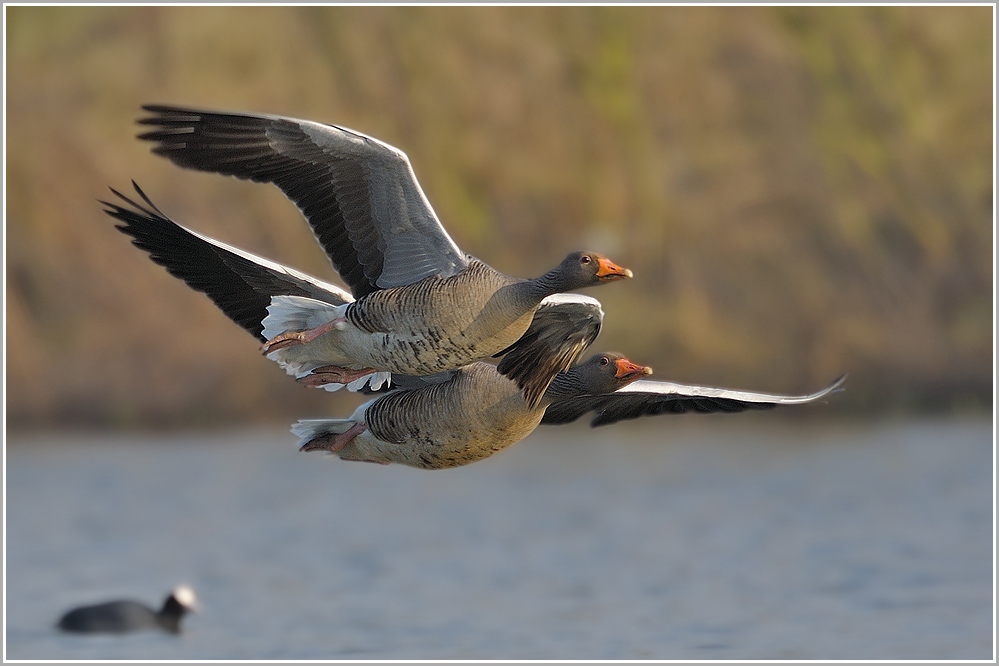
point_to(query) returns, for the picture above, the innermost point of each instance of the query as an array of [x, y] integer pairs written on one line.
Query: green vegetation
[[800, 191]]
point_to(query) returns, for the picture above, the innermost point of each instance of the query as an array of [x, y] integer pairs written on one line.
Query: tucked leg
[[292, 338], [333, 374], [334, 442]]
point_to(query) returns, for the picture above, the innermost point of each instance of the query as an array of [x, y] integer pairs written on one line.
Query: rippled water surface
[[726, 537]]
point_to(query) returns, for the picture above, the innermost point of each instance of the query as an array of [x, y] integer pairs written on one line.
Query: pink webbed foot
[[333, 374], [292, 338], [334, 442]]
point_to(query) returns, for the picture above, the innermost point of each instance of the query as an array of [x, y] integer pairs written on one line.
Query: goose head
[[583, 269], [606, 372]]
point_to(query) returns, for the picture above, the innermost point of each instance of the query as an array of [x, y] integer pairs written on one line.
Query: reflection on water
[[706, 538]]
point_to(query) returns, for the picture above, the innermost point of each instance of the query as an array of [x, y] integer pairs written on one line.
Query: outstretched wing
[[241, 284], [649, 398], [359, 195], [564, 325]]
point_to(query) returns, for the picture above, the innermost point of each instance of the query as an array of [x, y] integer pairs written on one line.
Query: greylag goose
[[263, 296], [456, 417], [423, 306], [125, 616], [465, 415]]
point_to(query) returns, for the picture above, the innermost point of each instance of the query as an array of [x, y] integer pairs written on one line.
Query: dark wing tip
[[837, 385], [116, 210]]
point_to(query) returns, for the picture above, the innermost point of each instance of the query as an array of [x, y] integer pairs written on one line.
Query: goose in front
[[422, 305], [457, 417], [465, 415]]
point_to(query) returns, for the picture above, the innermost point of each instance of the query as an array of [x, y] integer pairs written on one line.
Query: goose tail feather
[[309, 429]]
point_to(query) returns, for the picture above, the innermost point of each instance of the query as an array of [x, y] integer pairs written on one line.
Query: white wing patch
[[685, 390], [572, 299]]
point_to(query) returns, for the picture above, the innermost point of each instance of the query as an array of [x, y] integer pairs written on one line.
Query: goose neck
[[564, 386], [552, 282]]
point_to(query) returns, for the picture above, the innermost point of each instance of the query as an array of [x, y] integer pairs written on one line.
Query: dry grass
[[799, 191]]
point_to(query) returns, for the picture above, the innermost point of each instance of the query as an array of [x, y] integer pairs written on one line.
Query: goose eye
[[585, 259]]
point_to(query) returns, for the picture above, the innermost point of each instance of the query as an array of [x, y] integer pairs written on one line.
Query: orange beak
[[631, 371], [608, 271]]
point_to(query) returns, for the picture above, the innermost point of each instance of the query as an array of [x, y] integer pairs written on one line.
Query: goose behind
[[266, 299], [440, 324], [367, 209]]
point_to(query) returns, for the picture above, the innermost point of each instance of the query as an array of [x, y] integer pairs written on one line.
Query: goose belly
[[436, 325], [435, 350], [403, 352], [448, 425]]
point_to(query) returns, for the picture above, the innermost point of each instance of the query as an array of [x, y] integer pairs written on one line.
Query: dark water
[[688, 538]]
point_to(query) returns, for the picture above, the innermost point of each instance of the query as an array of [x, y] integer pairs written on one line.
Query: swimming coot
[[124, 616]]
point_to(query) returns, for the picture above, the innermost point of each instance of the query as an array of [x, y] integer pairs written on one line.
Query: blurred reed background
[[800, 191]]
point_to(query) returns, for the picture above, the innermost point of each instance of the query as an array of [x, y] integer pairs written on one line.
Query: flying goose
[[423, 306], [456, 417], [126, 616], [263, 296]]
